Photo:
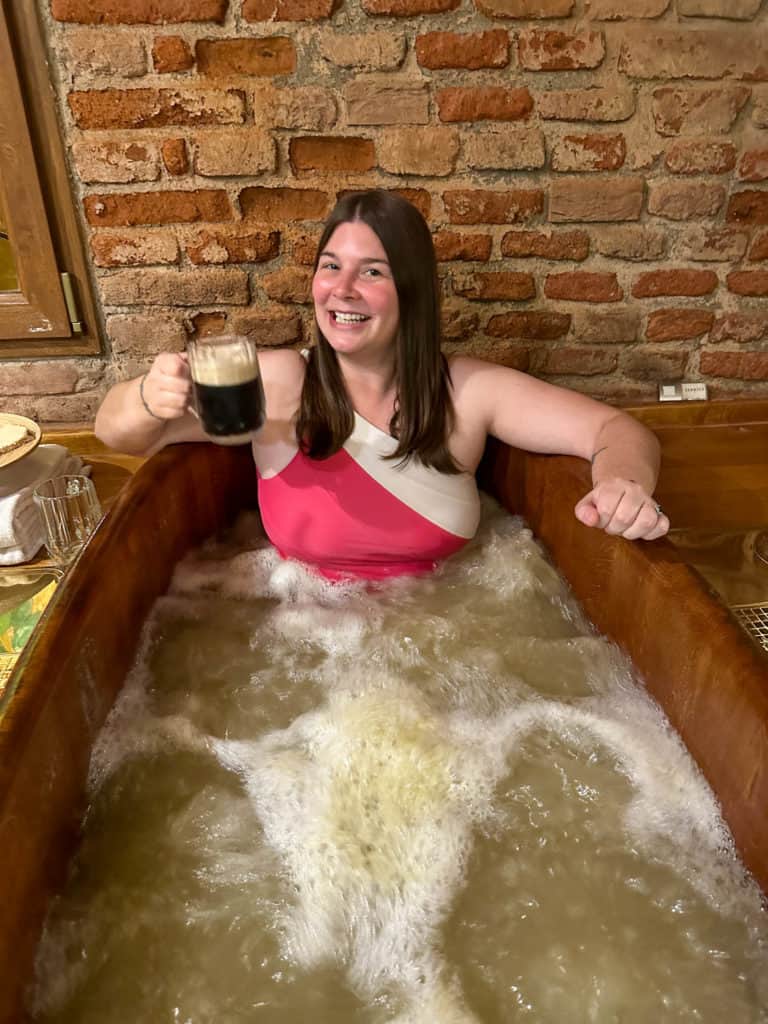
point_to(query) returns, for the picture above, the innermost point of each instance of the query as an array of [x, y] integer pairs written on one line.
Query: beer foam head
[[223, 361]]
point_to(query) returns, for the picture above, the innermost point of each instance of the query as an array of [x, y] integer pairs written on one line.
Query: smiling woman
[[367, 455]]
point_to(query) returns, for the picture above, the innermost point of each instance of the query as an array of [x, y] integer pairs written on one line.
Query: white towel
[[21, 529]]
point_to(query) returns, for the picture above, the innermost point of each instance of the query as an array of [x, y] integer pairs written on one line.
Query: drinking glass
[[70, 512], [227, 388]]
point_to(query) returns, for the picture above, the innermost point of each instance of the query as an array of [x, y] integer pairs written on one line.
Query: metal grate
[[754, 618]]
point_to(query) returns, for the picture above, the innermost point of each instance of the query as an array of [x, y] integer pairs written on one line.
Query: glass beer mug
[[227, 388]]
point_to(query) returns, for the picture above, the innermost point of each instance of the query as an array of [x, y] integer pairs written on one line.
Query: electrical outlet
[[683, 391], [694, 391]]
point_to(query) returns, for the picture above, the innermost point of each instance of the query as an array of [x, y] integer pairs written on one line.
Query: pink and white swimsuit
[[359, 515]]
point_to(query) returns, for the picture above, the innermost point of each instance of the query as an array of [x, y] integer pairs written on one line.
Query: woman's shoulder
[[281, 362]]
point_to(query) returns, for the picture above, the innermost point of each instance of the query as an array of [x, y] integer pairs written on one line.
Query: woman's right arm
[[141, 415]]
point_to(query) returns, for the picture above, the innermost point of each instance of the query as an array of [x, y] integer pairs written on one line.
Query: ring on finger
[[657, 509]]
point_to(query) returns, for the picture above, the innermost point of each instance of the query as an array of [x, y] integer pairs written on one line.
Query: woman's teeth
[[348, 318]]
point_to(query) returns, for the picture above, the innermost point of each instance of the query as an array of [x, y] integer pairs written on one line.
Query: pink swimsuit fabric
[[333, 515]]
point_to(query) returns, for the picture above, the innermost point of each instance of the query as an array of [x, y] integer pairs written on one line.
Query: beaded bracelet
[[144, 401]]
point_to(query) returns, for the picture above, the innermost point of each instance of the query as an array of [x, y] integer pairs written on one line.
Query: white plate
[[6, 458]]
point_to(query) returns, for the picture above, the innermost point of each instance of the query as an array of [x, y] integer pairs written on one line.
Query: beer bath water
[[437, 801]]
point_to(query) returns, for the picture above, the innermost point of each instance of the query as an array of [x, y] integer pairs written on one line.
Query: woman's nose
[[345, 284]]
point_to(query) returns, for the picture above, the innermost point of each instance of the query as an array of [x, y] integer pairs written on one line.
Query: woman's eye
[[373, 272], [329, 266]]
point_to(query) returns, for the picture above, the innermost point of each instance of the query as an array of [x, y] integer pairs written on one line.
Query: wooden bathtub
[[707, 674]]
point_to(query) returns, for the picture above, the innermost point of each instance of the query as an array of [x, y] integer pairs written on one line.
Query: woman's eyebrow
[[366, 259]]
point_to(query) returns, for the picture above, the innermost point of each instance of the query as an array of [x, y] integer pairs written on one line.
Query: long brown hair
[[424, 412]]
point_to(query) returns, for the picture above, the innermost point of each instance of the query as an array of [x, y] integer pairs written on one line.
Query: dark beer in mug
[[229, 397]]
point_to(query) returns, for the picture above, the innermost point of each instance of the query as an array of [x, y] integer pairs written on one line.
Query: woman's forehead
[[357, 239]]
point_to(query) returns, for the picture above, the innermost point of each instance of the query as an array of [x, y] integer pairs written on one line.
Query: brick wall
[[595, 173]]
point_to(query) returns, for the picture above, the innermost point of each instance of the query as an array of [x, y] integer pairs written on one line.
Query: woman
[[367, 456]]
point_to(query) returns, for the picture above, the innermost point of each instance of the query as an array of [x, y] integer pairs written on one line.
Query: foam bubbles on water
[[397, 715]]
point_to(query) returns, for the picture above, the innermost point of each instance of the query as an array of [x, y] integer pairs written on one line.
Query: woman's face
[[354, 292]]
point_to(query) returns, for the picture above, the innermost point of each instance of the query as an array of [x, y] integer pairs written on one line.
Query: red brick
[[753, 165], [138, 12], [678, 324], [534, 324], [233, 246], [175, 156], [331, 155], [750, 207], [226, 57], [300, 107], [748, 282], [583, 286], [492, 103], [287, 10], [449, 245], [502, 353], [136, 334], [129, 209], [175, 287], [525, 8], [555, 245], [380, 51], [660, 52], [302, 246], [739, 10], [685, 111], [677, 200], [620, 10], [171, 53], [612, 199], [288, 284], [654, 283], [594, 104], [408, 8], [545, 50], [606, 326], [458, 321], [736, 365], [630, 242], [713, 244], [505, 147], [268, 326], [491, 285], [470, 50], [231, 152], [429, 151], [281, 206], [114, 162], [386, 99], [38, 378], [477, 206], [138, 250], [701, 156], [581, 362], [589, 153], [745, 328], [654, 364], [155, 108], [759, 250]]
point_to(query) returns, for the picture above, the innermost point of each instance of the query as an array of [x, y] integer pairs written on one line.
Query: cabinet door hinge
[[73, 311]]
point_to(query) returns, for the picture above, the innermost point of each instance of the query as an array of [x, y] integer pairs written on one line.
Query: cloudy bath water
[[435, 801]]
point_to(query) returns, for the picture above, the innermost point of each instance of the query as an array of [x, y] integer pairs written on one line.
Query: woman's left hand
[[623, 508]]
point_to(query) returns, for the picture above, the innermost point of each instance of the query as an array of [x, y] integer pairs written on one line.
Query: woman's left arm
[[532, 414]]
